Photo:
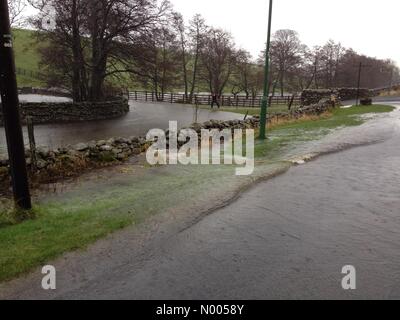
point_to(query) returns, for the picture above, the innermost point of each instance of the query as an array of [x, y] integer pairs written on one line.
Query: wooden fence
[[206, 99], [28, 73]]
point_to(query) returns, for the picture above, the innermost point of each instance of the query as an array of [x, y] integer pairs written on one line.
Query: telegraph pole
[[360, 67], [12, 121], [359, 83], [264, 105]]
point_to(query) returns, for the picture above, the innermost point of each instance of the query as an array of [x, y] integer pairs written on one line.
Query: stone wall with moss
[[48, 112], [313, 96]]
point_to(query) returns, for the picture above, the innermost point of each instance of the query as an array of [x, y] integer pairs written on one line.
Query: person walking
[[215, 101]]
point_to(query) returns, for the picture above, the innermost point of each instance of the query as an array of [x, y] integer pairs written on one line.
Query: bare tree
[[247, 76], [180, 28], [197, 33], [218, 59], [286, 53], [330, 56], [156, 65], [17, 8]]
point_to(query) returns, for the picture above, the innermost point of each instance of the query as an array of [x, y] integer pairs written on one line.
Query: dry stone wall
[[56, 112]]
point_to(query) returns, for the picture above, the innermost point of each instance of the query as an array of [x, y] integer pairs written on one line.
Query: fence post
[[32, 143]]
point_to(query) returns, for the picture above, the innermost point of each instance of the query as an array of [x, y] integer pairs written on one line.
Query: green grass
[[75, 219], [285, 135], [26, 57]]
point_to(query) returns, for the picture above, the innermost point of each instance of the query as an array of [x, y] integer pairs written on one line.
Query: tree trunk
[[194, 79]]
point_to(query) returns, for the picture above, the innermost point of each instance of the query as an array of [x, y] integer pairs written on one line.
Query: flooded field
[[141, 118]]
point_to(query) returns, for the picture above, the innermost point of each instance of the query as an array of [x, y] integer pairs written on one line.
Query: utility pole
[[12, 121], [360, 67], [359, 83], [264, 105]]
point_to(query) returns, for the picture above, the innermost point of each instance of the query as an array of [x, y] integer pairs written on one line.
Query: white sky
[[368, 26]]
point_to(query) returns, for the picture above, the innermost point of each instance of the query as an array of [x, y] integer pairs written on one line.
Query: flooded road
[[286, 238], [141, 118]]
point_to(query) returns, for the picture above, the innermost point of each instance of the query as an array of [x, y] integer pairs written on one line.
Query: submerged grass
[[77, 218]]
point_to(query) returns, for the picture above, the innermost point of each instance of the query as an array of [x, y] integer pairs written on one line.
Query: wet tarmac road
[[287, 238], [141, 118]]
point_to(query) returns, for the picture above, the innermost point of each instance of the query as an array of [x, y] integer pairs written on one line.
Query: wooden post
[[32, 143], [11, 116]]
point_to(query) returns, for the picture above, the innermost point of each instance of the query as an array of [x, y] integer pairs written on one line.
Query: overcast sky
[[368, 26]]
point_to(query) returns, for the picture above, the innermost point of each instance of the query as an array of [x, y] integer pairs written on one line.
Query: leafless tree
[[247, 76], [197, 34], [16, 8], [286, 54], [157, 64], [179, 26], [218, 59], [329, 58]]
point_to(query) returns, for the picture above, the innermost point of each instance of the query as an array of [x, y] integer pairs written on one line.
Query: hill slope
[[26, 58]]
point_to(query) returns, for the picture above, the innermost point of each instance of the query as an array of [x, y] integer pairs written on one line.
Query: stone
[[122, 156], [134, 140], [51, 112], [116, 151], [106, 147], [81, 147], [41, 164], [366, 102]]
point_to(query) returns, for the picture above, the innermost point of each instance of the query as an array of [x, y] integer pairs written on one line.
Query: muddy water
[[141, 118]]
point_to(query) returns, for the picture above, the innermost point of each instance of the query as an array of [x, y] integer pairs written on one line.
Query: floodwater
[[141, 118], [285, 238]]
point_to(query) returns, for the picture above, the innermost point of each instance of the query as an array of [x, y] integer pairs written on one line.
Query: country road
[[286, 238]]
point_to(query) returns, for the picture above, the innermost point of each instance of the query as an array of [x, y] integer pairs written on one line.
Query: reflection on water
[[141, 118]]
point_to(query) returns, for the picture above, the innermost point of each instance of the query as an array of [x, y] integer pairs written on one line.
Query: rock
[[101, 143], [81, 147], [92, 145], [134, 139], [116, 151], [121, 141], [136, 151], [41, 164], [111, 141], [122, 156], [106, 147], [43, 151], [73, 152], [366, 102]]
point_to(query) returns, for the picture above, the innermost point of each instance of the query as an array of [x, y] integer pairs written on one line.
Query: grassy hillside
[[26, 57]]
